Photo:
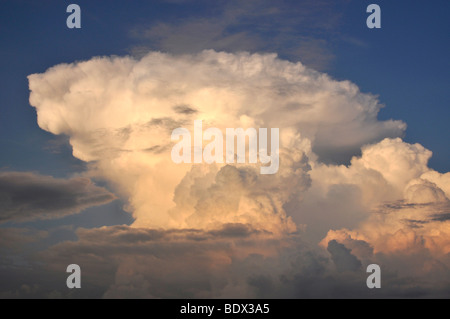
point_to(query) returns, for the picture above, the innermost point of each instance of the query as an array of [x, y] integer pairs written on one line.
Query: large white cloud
[[404, 206], [218, 222], [119, 113]]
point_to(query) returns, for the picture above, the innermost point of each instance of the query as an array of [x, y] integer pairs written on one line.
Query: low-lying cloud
[[28, 196]]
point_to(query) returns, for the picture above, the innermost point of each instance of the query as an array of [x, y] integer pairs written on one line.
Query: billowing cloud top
[[119, 113], [134, 100]]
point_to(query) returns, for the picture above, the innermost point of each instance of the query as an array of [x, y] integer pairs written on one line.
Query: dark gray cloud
[[15, 239], [441, 217], [432, 212], [27, 196], [184, 109], [342, 257], [231, 262], [135, 262], [234, 230], [127, 262]]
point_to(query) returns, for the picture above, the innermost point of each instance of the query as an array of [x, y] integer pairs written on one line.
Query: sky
[[86, 175]]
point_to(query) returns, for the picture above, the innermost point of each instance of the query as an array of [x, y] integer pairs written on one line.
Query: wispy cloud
[[299, 30]]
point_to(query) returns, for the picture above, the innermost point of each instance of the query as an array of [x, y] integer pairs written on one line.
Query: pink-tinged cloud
[[314, 221], [119, 113]]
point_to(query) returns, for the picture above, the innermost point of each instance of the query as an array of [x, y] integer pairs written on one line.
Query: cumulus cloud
[[344, 196], [27, 196], [119, 113], [420, 191], [224, 230], [405, 209], [237, 195], [406, 228]]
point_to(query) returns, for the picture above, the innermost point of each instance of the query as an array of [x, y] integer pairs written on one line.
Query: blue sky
[[405, 64]]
